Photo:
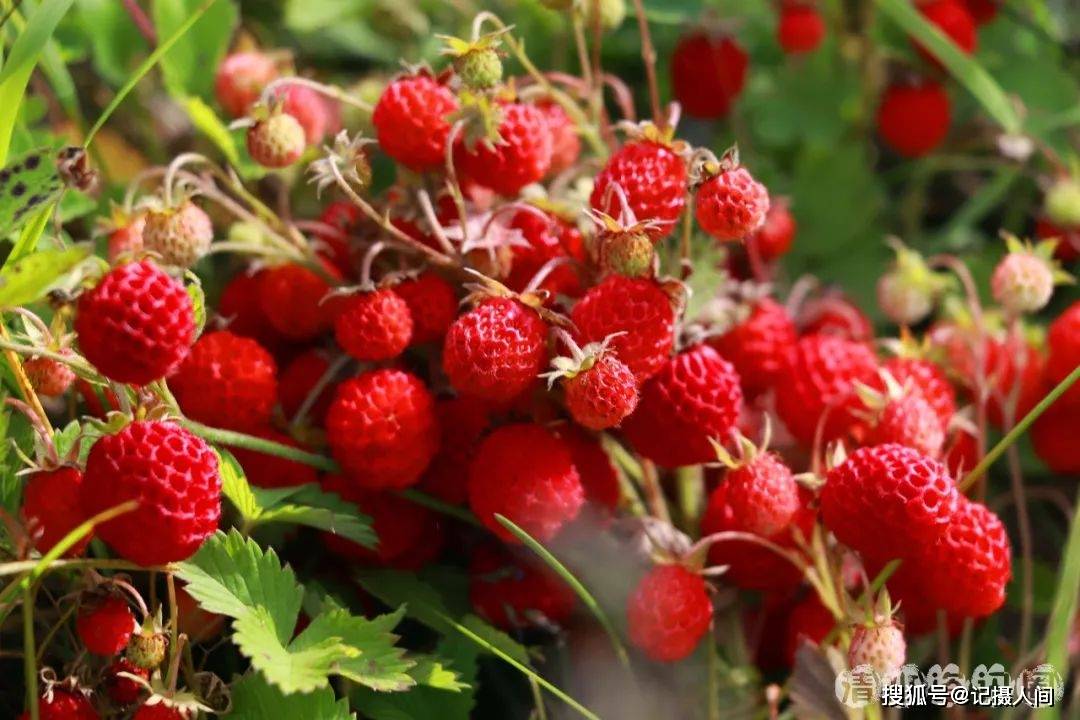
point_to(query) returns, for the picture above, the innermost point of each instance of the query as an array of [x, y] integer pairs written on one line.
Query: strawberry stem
[[1019, 429]]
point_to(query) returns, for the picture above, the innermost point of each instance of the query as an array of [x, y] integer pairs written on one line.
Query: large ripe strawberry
[[51, 507], [411, 121], [174, 477], [640, 310], [653, 178], [668, 613], [526, 474], [817, 386], [521, 155], [513, 592], [496, 350], [226, 381], [381, 427], [758, 346], [694, 397], [136, 325], [913, 118], [708, 74]]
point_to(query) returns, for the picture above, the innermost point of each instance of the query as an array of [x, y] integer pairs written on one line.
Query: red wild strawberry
[[409, 535], [124, 690], [270, 471], [160, 711], [731, 205], [51, 507], [817, 386], [240, 80], [653, 178], [48, 377], [1063, 341], [668, 613], [127, 239], [758, 347], [694, 397], [526, 474], [512, 592], [953, 19], [64, 704], [911, 498], [432, 305], [707, 74], [600, 396], [226, 381], [299, 379], [962, 452], [276, 141], [104, 627], [982, 11], [773, 239], [174, 477], [462, 421], [411, 121], [496, 350], [760, 497], [1054, 438], [926, 378], [834, 315], [374, 325], [908, 420], [809, 622], [520, 156], [548, 237], [309, 108], [881, 646], [640, 310], [913, 118], [180, 235], [967, 569], [800, 28], [1067, 249], [565, 143], [136, 325], [597, 473], [381, 427], [293, 299], [240, 309]]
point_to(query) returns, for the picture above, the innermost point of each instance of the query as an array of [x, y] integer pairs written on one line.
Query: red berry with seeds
[[774, 238], [294, 301], [308, 108], [913, 118], [51, 507], [526, 474], [521, 156], [180, 235], [911, 498], [240, 80], [800, 28], [137, 325], [375, 325], [277, 141], [565, 143], [926, 378], [299, 379], [241, 312], [731, 205], [600, 396], [432, 305], [495, 351], [1063, 341], [694, 397], [226, 381], [834, 315], [411, 121], [911, 421], [653, 178], [881, 646], [174, 477], [270, 471], [953, 19], [64, 704], [48, 377], [381, 427], [817, 386], [160, 711], [105, 627], [513, 592], [759, 346], [668, 613], [640, 310], [708, 74], [548, 237], [123, 690]]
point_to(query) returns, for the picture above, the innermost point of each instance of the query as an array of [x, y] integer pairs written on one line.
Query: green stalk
[[30, 653]]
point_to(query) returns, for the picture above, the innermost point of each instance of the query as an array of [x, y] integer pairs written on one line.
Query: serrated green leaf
[[235, 487], [198, 303], [186, 66], [27, 184], [434, 672], [373, 659], [253, 698], [28, 279], [294, 670]]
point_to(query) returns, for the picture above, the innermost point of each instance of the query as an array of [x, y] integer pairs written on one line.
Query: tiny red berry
[[411, 121], [513, 592], [522, 155], [64, 704], [432, 305], [374, 325], [953, 19], [668, 613], [600, 396], [105, 626], [48, 377], [124, 690], [731, 205], [800, 28], [652, 176], [759, 346], [708, 74], [294, 301], [51, 507], [240, 80], [913, 118], [774, 238]]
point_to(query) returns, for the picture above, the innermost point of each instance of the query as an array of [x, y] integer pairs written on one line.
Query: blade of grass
[[573, 582], [31, 40], [965, 69], [524, 669], [151, 60], [1063, 611]]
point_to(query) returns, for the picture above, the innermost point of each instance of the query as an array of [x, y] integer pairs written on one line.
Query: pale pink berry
[[1022, 282]]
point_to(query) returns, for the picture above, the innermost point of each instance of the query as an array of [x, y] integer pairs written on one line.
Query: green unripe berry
[[612, 13], [627, 253], [147, 649], [479, 69], [1063, 203]]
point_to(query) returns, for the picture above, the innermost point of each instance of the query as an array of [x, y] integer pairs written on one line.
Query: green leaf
[[1064, 609], [27, 280], [207, 121], [434, 672], [114, 42], [31, 41], [965, 69], [253, 698], [27, 184], [235, 487], [372, 658], [187, 67], [198, 300]]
